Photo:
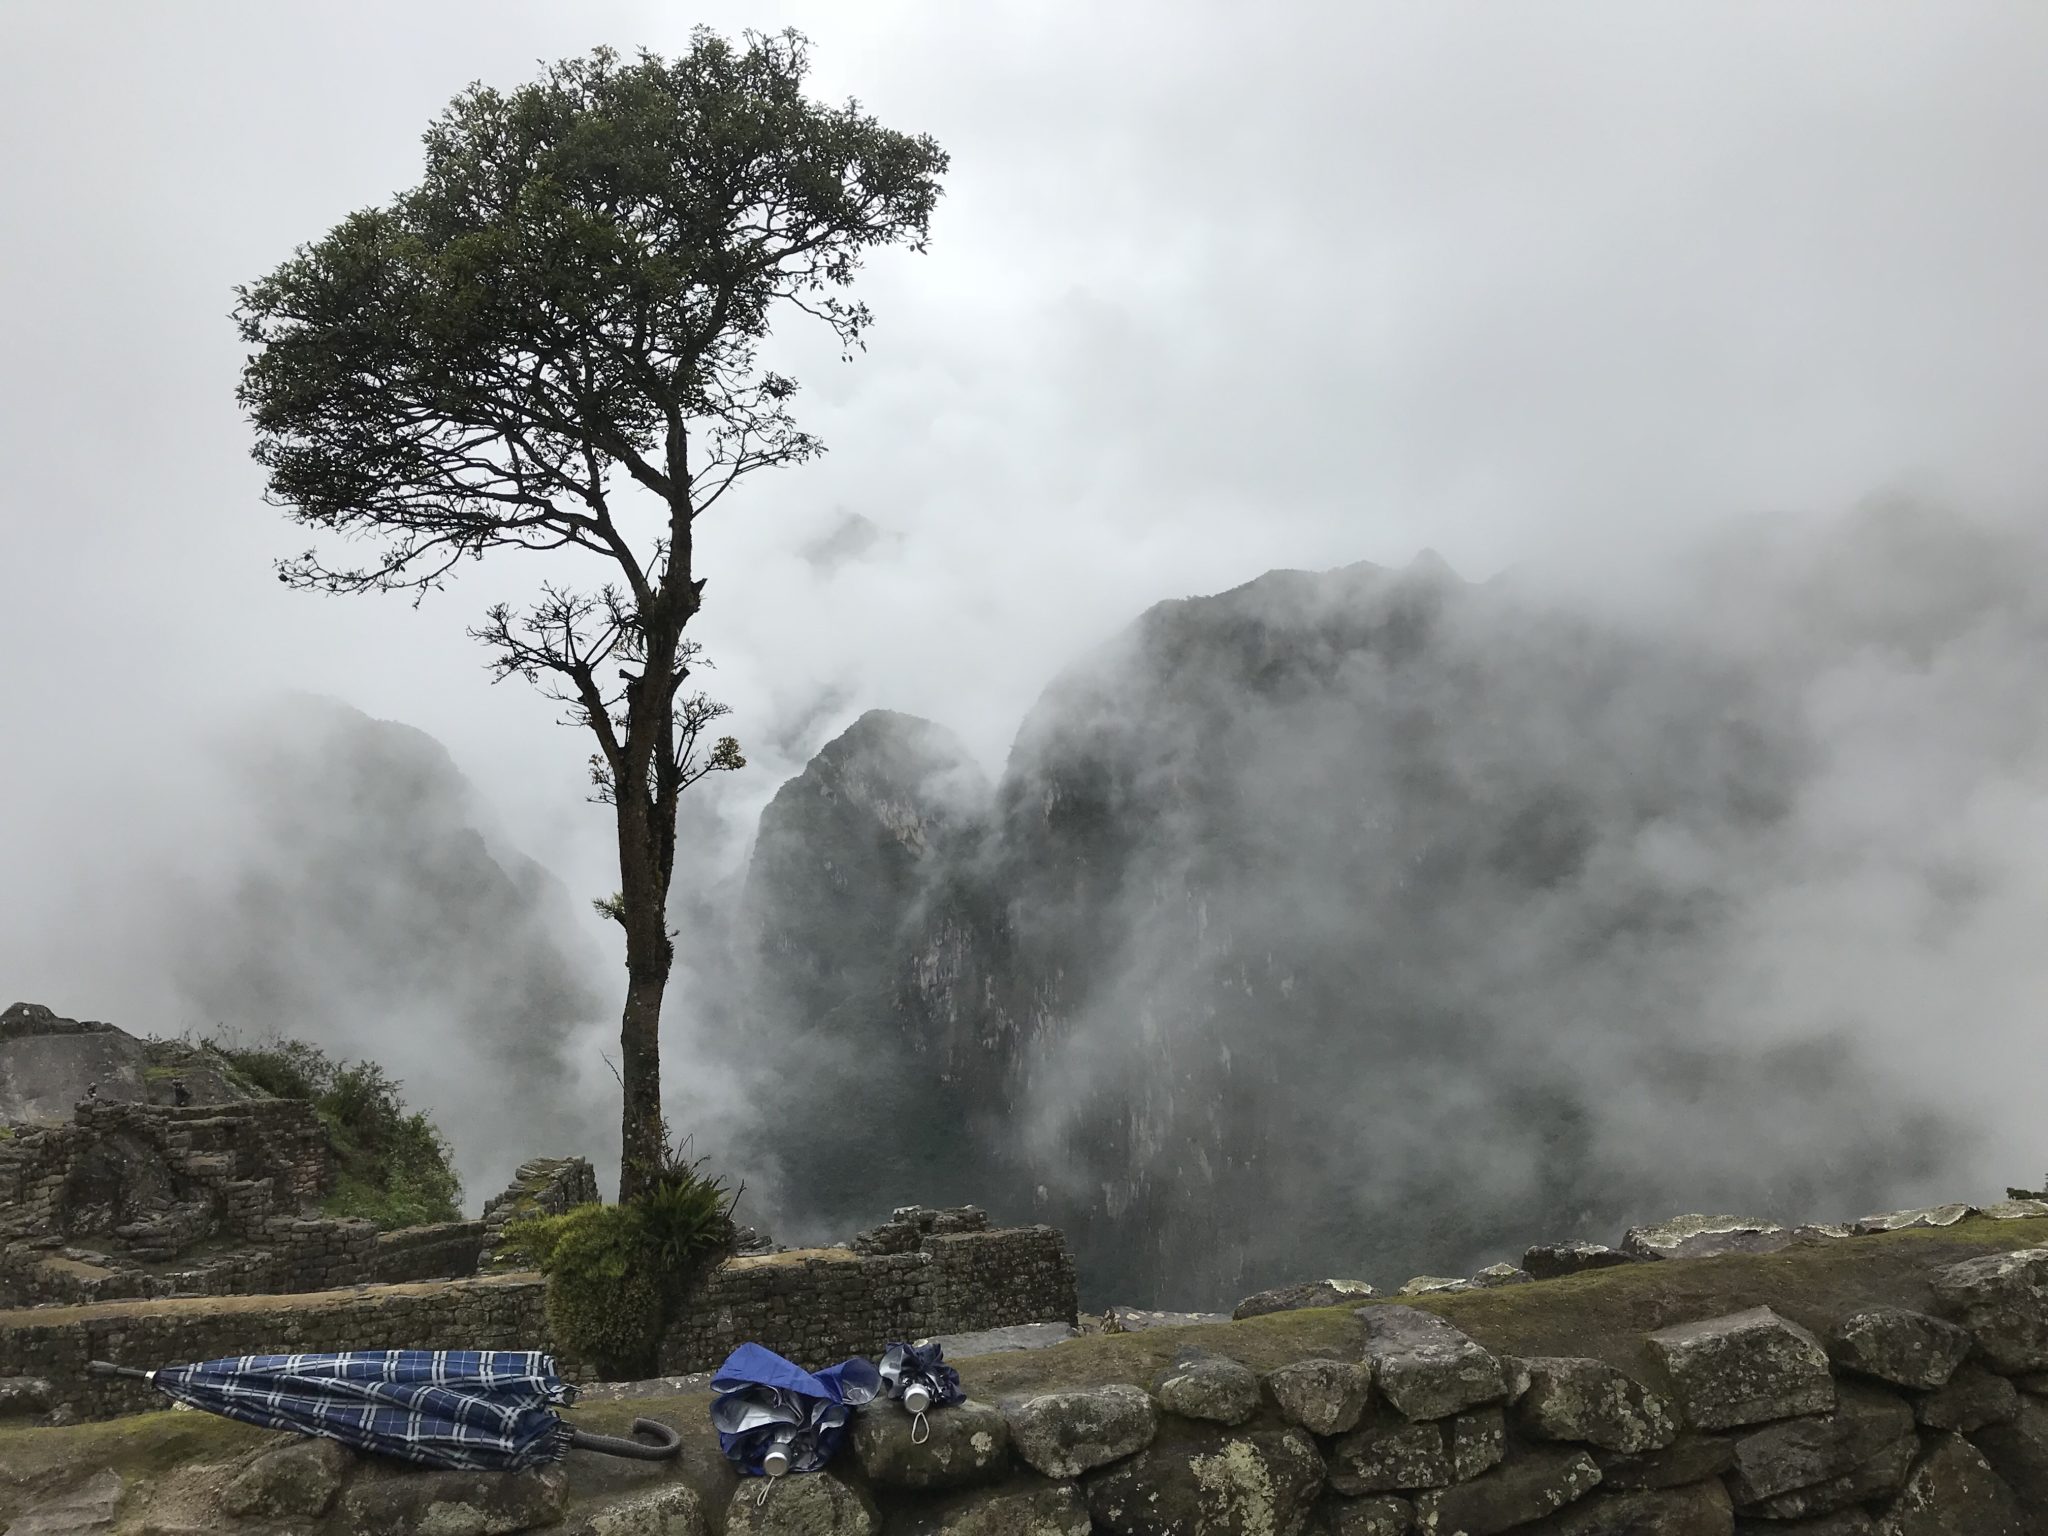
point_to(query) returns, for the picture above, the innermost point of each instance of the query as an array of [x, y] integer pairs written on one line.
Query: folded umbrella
[[773, 1416], [483, 1410], [917, 1376]]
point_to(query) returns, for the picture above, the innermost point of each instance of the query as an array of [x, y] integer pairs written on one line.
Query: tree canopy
[[551, 345]]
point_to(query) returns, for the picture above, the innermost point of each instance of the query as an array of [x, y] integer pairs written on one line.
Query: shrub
[[392, 1165], [618, 1274]]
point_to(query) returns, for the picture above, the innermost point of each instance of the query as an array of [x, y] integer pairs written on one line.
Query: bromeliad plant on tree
[[619, 1274]]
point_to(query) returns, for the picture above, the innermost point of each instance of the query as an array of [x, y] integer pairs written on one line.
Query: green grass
[[1604, 1313], [392, 1166]]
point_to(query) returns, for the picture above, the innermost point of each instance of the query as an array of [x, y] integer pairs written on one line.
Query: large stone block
[[1972, 1399], [1585, 1400], [1688, 1459], [1425, 1367], [1532, 1485], [300, 1479], [1324, 1397], [1036, 1509], [1390, 1455], [674, 1510], [1745, 1368], [1899, 1221], [1703, 1237], [812, 1504], [1548, 1261], [2018, 1450], [1262, 1483], [1700, 1510], [1381, 1514], [2002, 1298], [1878, 1478], [1953, 1491], [966, 1443], [1302, 1295], [1478, 1441], [1064, 1434], [1908, 1349], [1797, 1453], [1199, 1385], [87, 1510], [395, 1497]]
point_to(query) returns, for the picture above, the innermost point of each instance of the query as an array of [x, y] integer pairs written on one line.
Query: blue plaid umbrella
[[485, 1410]]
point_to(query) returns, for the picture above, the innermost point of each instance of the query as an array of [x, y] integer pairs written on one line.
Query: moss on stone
[[1602, 1313]]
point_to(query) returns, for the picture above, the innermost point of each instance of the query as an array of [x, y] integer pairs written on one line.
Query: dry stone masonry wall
[[1897, 1423], [132, 1200], [545, 1186], [144, 1201], [1890, 1421], [821, 1305], [50, 1346], [815, 1306]]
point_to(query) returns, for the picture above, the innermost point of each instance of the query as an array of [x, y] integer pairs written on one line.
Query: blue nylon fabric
[[923, 1362], [765, 1400], [477, 1410]]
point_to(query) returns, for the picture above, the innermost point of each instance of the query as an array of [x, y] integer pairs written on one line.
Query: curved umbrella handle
[[639, 1450]]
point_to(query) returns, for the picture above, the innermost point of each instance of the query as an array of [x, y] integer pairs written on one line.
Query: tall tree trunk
[[643, 892], [640, 1129]]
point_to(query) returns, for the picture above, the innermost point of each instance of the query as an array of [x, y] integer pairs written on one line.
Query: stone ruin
[[142, 1200], [110, 1190]]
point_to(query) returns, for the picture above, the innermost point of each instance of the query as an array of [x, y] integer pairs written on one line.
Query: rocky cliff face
[[1355, 918], [860, 862]]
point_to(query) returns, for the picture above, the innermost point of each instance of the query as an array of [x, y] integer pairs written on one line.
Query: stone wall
[[51, 1176], [818, 1306], [444, 1251], [142, 1200], [53, 1344], [1892, 1421], [1919, 1408], [544, 1186]]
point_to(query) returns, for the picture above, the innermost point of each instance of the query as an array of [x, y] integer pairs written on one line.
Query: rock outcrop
[[1236, 901], [49, 1064]]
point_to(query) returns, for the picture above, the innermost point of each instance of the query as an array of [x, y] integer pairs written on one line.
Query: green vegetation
[[572, 302], [391, 1166], [617, 1274]]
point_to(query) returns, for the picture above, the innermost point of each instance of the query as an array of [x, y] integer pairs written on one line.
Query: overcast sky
[[1213, 289]]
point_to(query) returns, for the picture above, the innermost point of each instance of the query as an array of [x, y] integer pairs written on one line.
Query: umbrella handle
[[103, 1368], [639, 1450]]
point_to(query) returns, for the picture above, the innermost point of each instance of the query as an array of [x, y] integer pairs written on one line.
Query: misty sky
[[1567, 284]]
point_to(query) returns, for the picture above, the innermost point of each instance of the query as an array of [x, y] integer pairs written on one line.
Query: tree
[[549, 346]]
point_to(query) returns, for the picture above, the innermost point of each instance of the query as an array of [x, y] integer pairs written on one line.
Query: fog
[[1615, 299]]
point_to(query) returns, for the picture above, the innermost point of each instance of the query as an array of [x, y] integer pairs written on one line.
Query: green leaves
[[617, 1274], [392, 1166], [584, 267]]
